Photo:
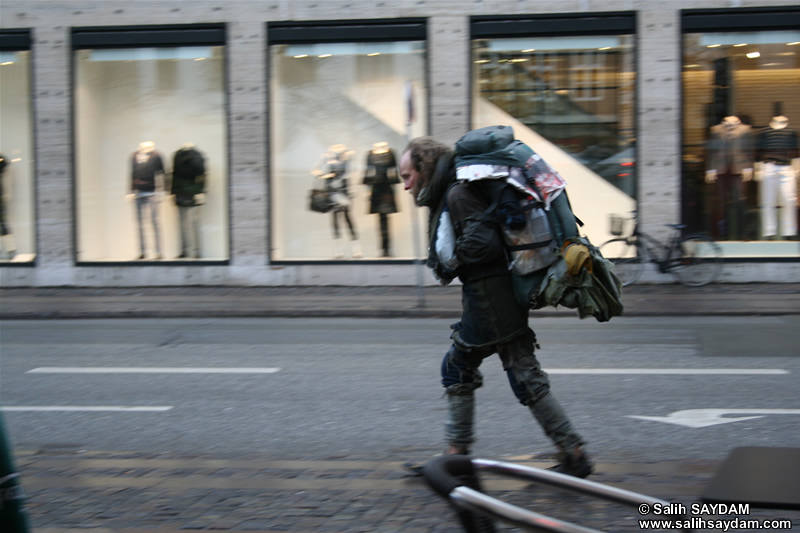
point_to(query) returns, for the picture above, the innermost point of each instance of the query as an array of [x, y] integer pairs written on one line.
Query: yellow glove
[[577, 257]]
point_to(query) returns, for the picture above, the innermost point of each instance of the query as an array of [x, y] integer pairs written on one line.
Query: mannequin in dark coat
[[188, 186], [381, 175]]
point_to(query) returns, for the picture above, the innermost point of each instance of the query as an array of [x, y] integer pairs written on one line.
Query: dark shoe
[[574, 464]]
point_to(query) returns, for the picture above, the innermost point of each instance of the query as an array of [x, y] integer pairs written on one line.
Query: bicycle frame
[[657, 252]]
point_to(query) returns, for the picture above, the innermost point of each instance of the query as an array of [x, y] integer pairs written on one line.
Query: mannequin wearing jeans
[[147, 171], [777, 146]]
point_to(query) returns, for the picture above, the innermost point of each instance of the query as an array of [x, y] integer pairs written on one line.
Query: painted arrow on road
[[700, 418]]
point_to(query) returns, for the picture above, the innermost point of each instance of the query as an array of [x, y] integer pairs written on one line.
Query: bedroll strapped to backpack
[[550, 263]]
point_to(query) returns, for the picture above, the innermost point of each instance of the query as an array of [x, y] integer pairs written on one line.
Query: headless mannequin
[[147, 185], [381, 174], [730, 162], [188, 184], [334, 171], [777, 149]]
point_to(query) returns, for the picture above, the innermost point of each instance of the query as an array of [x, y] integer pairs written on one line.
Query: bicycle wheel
[[627, 257], [699, 262]]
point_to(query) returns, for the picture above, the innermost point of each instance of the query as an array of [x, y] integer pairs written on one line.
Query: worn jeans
[[491, 323], [147, 201]]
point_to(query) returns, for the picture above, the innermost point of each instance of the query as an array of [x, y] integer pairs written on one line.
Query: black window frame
[[151, 36], [727, 20], [560, 25], [21, 40], [337, 31]]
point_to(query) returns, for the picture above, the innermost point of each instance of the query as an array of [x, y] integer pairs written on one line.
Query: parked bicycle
[[694, 260]]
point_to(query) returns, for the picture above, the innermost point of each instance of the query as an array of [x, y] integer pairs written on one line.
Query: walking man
[[491, 321]]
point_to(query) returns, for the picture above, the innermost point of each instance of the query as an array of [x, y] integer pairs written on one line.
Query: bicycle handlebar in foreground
[[454, 478]]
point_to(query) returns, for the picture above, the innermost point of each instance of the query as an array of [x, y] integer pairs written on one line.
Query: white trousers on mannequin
[[778, 189]]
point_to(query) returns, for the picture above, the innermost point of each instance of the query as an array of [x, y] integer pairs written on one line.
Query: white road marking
[[699, 418], [88, 408], [149, 370], [272, 370], [665, 371]]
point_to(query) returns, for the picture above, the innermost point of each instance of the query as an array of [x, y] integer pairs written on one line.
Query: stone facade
[[658, 94]]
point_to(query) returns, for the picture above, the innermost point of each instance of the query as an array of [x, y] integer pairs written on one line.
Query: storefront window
[[741, 157], [151, 149], [341, 114], [17, 196], [572, 99]]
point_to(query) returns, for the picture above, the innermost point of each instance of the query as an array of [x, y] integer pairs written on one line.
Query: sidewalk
[[167, 493], [367, 302]]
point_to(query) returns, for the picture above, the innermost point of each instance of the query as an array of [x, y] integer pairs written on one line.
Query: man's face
[[410, 176]]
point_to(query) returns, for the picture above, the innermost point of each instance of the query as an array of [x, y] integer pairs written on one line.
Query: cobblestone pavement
[[109, 492]]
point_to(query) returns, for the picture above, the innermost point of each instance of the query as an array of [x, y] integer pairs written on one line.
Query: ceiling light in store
[[529, 50], [374, 54], [301, 56], [200, 59], [713, 45], [481, 61], [518, 60], [7, 63], [738, 45], [691, 66], [325, 55], [794, 43], [605, 48], [753, 55]]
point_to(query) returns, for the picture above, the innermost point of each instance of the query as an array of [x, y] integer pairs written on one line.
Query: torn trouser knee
[[531, 386]]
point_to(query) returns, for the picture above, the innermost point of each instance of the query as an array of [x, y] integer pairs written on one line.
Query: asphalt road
[[321, 387]]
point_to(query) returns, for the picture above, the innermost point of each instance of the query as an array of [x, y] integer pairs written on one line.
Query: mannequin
[[729, 163], [147, 184], [7, 247], [381, 174], [777, 147], [188, 186], [334, 169]]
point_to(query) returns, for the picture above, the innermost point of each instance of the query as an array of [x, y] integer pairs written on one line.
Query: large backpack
[[532, 210], [550, 262]]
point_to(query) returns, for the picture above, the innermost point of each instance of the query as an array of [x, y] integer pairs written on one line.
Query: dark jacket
[[188, 173], [381, 174], [479, 245]]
